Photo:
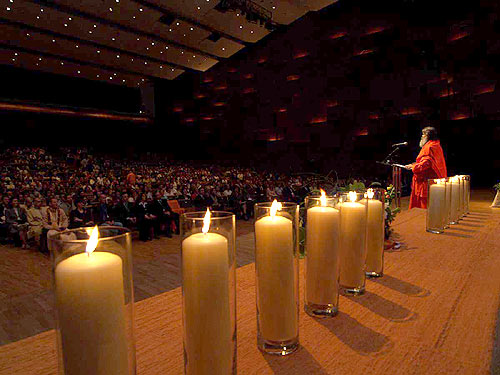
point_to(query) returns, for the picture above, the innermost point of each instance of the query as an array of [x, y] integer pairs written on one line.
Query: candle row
[[448, 202]]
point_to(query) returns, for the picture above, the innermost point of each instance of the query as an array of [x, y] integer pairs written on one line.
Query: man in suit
[[164, 214], [18, 224]]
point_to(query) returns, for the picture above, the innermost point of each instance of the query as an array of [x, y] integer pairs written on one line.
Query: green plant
[[355, 186], [390, 195], [497, 186]]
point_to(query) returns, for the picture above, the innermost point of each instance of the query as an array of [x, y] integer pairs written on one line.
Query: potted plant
[[496, 201]]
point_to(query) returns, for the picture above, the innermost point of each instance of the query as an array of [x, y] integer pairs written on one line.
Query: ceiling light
[[173, 69], [152, 43], [69, 18], [137, 38], [170, 30], [161, 52], [66, 25], [117, 56], [166, 47], [41, 9], [124, 81], [241, 26], [77, 46], [15, 53], [8, 8], [223, 49], [37, 64], [78, 72], [182, 52], [132, 59], [98, 51], [142, 80], [133, 17], [251, 31], [11, 1], [194, 56], [90, 31], [110, 77], [113, 39], [95, 25], [117, 1], [98, 76], [114, 74], [140, 9], [274, 7], [110, 9], [177, 23], [39, 59], [183, 34], [161, 67], [191, 29], [145, 63], [147, 48], [62, 63], [198, 8], [37, 17], [237, 14], [53, 40]]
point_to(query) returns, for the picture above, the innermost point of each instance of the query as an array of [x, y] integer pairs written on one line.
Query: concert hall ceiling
[[128, 42]]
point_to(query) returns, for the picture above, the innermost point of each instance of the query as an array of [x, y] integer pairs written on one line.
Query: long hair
[[430, 132]]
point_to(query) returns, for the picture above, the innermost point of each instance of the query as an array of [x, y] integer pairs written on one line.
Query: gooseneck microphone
[[400, 144]]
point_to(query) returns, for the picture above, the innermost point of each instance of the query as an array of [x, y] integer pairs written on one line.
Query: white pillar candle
[[467, 194], [352, 244], [91, 311], [436, 206], [276, 280], [455, 199], [375, 236], [207, 317], [322, 245]]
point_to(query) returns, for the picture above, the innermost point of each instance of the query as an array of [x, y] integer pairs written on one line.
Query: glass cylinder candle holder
[[375, 232], [454, 200], [92, 271], [208, 263], [467, 193], [436, 205], [462, 197], [322, 256], [353, 218], [277, 277], [447, 198]]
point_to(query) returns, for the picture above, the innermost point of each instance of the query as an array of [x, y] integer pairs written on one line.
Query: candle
[[276, 280], [436, 209], [352, 245], [91, 311], [446, 216], [455, 200], [322, 246], [374, 236], [207, 313]]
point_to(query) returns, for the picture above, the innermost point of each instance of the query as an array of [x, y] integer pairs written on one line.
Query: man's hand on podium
[[409, 166]]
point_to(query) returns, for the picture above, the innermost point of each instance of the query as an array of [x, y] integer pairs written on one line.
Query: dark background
[[303, 99]]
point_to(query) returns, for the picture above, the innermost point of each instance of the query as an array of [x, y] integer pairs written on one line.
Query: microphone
[[400, 144]]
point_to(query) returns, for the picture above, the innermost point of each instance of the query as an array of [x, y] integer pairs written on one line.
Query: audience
[[74, 188]]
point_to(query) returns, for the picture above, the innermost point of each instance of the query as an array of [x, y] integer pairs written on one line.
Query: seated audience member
[[145, 220], [35, 220], [54, 221], [18, 224], [103, 213], [80, 216], [66, 204], [164, 215], [123, 211], [4, 227]]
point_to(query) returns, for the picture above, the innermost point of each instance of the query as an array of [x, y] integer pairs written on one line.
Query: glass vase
[[436, 205], [321, 296], [277, 277], [375, 226], [94, 301], [454, 200], [208, 264], [447, 209], [353, 219]]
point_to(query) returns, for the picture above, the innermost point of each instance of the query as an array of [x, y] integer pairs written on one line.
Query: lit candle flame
[[322, 199], [370, 193], [206, 222], [352, 196], [276, 206], [93, 240]]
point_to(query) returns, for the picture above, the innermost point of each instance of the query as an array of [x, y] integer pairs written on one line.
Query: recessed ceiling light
[[237, 14], [15, 54], [161, 52], [8, 8], [198, 8], [53, 40], [223, 49], [110, 77], [113, 39], [114, 74], [117, 1], [69, 18], [161, 67], [66, 25], [152, 43], [39, 59], [147, 48], [177, 23], [90, 31], [137, 38], [274, 7], [142, 80], [78, 72], [95, 25], [133, 17], [251, 31], [77, 46], [13, 59], [98, 76], [145, 63], [173, 69], [11, 1], [183, 34], [140, 9], [110, 9], [37, 17], [37, 64], [194, 56], [98, 51], [170, 30], [117, 56], [191, 29], [123, 80], [241, 26], [62, 63], [132, 59], [41, 9]]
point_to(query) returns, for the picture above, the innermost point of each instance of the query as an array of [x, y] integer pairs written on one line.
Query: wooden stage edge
[[434, 312]]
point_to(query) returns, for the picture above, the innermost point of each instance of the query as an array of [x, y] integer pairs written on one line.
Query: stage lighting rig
[[252, 11]]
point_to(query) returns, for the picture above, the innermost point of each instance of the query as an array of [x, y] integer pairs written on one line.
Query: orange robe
[[430, 164]]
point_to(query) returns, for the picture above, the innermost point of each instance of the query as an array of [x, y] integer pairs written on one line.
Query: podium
[[396, 180]]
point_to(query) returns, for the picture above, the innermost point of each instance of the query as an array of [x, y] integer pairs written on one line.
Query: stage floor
[[26, 305]]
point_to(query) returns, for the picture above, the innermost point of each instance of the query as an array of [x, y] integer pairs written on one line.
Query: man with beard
[[430, 164]]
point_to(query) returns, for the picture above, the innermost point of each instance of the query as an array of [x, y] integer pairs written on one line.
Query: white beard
[[423, 141]]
